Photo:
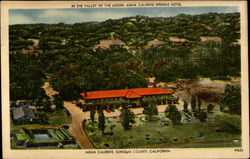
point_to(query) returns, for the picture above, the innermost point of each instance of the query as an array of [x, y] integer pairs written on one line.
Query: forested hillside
[[180, 47]]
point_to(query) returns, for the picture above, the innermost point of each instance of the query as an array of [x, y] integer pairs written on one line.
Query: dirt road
[[75, 126], [49, 90]]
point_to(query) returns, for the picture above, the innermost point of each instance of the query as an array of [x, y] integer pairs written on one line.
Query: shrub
[[210, 107], [202, 116]]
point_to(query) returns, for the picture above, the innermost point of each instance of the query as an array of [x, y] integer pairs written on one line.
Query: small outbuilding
[[23, 113]]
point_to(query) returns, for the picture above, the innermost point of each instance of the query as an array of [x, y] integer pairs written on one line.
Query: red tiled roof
[[132, 94], [127, 93]]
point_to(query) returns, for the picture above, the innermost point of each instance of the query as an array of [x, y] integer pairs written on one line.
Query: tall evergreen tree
[[173, 114], [101, 121], [92, 115], [127, 117], [193, 103], [185, 106], [232, 99], [199, 104]]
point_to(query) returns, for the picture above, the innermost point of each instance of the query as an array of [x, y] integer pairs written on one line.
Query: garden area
[[42, 138], [162, 133], [193, 126]]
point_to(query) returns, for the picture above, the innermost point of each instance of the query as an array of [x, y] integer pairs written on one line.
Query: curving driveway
[[75, 126]]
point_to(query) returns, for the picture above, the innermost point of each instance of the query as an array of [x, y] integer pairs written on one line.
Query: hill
[[126, 51]]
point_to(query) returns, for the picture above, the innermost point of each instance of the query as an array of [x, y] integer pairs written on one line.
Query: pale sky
[[71, 16]]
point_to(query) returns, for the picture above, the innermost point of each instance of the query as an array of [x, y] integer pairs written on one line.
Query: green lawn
[[58, 121], [160, 134], [60, 112]]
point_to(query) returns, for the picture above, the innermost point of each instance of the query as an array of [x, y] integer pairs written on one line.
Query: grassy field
[[59, 112], [153, 134]]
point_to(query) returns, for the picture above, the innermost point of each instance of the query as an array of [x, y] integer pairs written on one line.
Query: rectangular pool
[[42, 136]]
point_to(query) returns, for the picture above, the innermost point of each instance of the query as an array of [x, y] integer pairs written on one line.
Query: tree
[[92, 115], [23, 67], [128, 74], [69, 83], [58, 101], [150, 110], [232, 99], [101, 121], [42, 118], [210, 107], [193, 103], [127, 117], [199, 104], [185, 106], [202, 116], [39, 101], [47, 105], [173, 114]]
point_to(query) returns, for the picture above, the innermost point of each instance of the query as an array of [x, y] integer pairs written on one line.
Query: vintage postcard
[[124, 79]]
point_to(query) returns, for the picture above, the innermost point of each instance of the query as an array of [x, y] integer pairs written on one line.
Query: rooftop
[[23, 111], [127, 93]]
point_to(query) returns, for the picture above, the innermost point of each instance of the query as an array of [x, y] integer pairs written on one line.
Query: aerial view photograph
[[125, 78]]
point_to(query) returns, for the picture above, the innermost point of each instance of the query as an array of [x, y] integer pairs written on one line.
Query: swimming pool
[[42, 136]]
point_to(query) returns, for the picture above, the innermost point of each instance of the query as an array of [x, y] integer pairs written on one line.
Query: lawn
[[58, 121], [59, 112], [153, 134]]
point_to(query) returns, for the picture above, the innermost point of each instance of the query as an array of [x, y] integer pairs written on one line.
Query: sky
[[71, 16]]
